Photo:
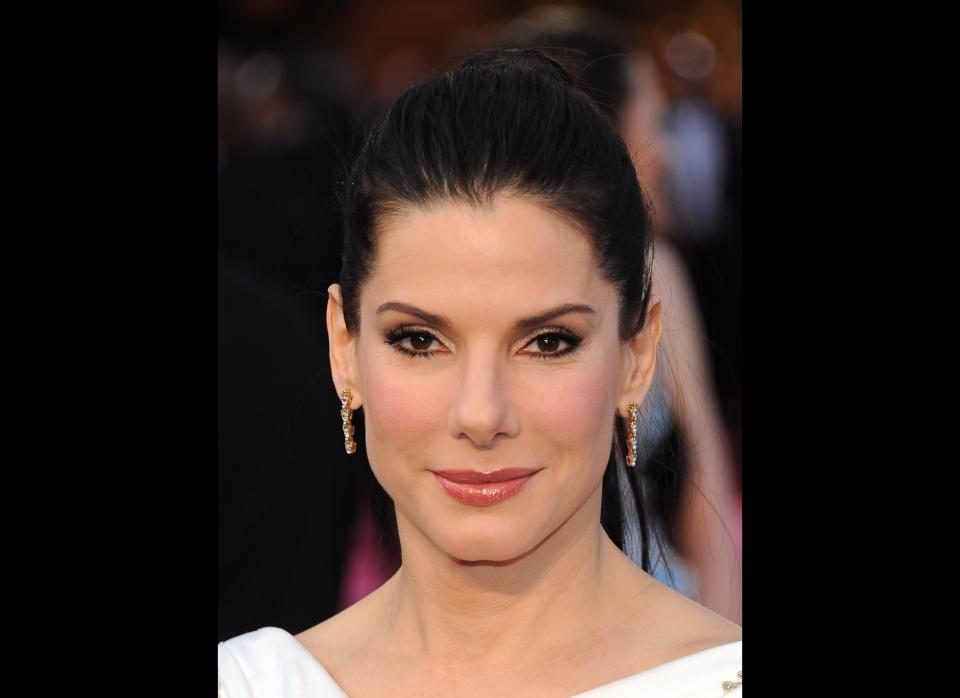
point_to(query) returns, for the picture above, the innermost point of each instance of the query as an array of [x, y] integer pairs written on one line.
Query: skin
[[528, 595]]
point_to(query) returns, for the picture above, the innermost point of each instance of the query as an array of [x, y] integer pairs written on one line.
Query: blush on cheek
[[575, 409], [404, 411]]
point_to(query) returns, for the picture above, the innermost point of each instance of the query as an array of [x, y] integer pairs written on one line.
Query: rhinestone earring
[[347, 415], [632, 425]]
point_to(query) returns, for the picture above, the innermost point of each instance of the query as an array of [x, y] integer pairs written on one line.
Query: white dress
[[271, 663]]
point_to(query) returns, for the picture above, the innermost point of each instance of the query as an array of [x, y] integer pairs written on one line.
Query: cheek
[[576, 410], [403, 410]]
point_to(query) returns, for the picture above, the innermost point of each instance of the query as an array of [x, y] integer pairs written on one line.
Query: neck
[[448, 612]]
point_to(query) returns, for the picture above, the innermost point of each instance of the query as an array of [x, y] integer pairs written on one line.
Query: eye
[[550, 344], [413, 342]]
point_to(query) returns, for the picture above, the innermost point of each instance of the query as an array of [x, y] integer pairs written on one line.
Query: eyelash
[[394, 337]]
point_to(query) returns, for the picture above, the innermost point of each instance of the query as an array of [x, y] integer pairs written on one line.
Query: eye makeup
[[548, 339]]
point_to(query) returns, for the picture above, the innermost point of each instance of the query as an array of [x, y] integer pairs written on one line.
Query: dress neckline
[[658, 669]]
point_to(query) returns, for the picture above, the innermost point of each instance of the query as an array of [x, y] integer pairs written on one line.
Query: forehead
[[515, 254]]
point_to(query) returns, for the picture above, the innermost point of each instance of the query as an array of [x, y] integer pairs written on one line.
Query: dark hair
[[512, 121], [590, 45]]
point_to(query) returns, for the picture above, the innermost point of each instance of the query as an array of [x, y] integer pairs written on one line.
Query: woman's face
[[479, 389]]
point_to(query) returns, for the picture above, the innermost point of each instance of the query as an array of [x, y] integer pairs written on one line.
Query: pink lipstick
[[483, 489]]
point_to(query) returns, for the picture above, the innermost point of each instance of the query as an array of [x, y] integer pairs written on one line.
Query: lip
[[484, 489], [476, 477]]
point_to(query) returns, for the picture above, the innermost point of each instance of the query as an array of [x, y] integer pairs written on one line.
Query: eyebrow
[[524, 323]]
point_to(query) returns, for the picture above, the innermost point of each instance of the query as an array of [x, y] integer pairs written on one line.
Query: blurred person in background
[[699, 56]]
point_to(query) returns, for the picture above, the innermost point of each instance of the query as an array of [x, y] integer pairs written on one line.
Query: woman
[[494, 322]]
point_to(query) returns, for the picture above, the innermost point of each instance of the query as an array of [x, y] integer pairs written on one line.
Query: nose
[[480, 409]]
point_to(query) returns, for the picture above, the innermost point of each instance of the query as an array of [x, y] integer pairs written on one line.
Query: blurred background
[[303, 529]]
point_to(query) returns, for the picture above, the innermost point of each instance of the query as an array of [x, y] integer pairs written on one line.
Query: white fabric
[[271, 663]]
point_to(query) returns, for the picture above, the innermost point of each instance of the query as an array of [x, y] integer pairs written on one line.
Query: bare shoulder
[[659, 619], [348, 647], [644, 624], [339, 635], [694, 627]]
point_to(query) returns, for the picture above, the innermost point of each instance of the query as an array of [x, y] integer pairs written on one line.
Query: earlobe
[[643, 360], [342, 356]]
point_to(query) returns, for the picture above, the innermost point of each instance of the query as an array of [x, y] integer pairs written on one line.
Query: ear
[[343, 355], [641, 361]]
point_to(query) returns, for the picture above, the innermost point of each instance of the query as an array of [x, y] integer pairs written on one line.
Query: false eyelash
[[394, 337]]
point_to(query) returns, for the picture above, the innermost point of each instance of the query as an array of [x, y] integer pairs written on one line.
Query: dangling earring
[[632, 426], [347, 415]]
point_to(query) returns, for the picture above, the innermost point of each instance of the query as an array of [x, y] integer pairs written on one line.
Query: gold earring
[[347, 415], [632, 425]]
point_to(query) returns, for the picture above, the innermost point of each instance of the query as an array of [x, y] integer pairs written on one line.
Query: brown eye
[[420, 341], [548, 343], [553, 344], [415, 343]]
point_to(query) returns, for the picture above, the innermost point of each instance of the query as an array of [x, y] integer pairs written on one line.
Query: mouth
[[476, 488], [476, 477]]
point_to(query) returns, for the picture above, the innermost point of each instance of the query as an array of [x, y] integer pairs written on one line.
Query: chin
[[486, 542]]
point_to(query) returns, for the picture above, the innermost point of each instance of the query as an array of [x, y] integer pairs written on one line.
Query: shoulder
[[249, 651], [270, 661], [695, 627], [662, 614], [659, 637], [340, 634], [348, 643], [350, 647], [715, 672], [669, 645], [244, 657], [655, 624]]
